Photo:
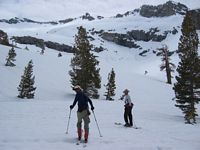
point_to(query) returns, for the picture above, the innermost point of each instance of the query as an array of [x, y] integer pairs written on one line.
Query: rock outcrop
[[18, 20], [120, 39], [129, 39], [41, 43], [168, 9], [87, 16]]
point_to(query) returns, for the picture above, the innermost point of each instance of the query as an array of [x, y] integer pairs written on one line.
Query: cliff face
[[129, 39], [168, 9]]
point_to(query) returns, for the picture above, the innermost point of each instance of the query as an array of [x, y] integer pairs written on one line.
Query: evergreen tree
[[4, 38], [187, 87], [84, 63], [59, 54], [42, 51], [166, 65], [26, 48], [26, 87], [11, 57], [110, 86]]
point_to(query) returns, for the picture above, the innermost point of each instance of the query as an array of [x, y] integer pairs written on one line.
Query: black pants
[[128, 115]]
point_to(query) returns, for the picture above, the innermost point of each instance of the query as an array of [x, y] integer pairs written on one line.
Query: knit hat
[[126, 90]]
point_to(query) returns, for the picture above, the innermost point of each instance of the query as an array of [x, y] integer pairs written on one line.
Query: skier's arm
[[122, 97], [75, 101], [92, 107]]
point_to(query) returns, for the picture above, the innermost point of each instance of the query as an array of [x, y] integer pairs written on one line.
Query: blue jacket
[[82, 100]]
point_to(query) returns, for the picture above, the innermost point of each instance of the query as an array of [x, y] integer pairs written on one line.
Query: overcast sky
[[62, 9]]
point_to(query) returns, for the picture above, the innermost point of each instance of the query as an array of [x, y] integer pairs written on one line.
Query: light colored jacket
[[127, 100]]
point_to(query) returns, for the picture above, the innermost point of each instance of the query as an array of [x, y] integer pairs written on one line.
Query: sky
[[62, 9]]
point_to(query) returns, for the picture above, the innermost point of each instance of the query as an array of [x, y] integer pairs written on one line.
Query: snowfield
[[41, 123]]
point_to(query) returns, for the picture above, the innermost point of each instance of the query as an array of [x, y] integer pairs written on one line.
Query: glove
[[92, 108], [71, 106]]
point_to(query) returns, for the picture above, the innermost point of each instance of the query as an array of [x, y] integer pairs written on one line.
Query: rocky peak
[[19, 20], [168, 9], [87, 16]]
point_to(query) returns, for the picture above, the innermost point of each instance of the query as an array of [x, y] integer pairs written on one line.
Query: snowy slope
[[41, 123]]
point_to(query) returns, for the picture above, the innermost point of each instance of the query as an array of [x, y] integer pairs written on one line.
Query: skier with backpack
[[127, 109], [83, 112]]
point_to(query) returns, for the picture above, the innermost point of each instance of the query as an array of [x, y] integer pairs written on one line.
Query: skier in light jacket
[[127, 108]]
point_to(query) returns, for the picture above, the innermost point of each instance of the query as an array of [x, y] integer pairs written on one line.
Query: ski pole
[[134, 125], [68, 121], [97, 124]]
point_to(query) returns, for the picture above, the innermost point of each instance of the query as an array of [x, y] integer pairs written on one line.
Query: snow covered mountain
[[41, 123], [145, 29], [59, 9]]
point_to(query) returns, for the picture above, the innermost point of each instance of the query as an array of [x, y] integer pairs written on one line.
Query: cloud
[[61, 9]]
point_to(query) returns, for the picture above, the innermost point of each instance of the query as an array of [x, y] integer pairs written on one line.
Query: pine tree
[[26, 87], [26, 48], [42, 51], [110, 86], [166, 65], [187, 87], [11, 57], [84, 65], [59, 54]]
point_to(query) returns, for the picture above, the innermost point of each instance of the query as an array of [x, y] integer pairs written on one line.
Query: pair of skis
[[134, 126]]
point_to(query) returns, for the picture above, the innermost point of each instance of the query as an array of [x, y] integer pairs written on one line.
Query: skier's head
[[77, 88], [126, 91]]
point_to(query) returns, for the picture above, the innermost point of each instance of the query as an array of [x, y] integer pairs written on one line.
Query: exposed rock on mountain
[[168, 9], [18, 20], [66, 20], [128, 39], [99, 49], [140, 35], [128, 13], [87, 16], [29, 40], [59, 47], [53, 45], [41, 43], [120, 39]]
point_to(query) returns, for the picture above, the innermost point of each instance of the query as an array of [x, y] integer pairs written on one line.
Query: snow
[[40, 124]]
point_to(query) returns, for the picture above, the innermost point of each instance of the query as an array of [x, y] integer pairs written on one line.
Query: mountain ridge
[[163, 10]]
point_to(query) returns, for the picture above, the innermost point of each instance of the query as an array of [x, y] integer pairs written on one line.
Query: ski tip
[[137, 127]]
